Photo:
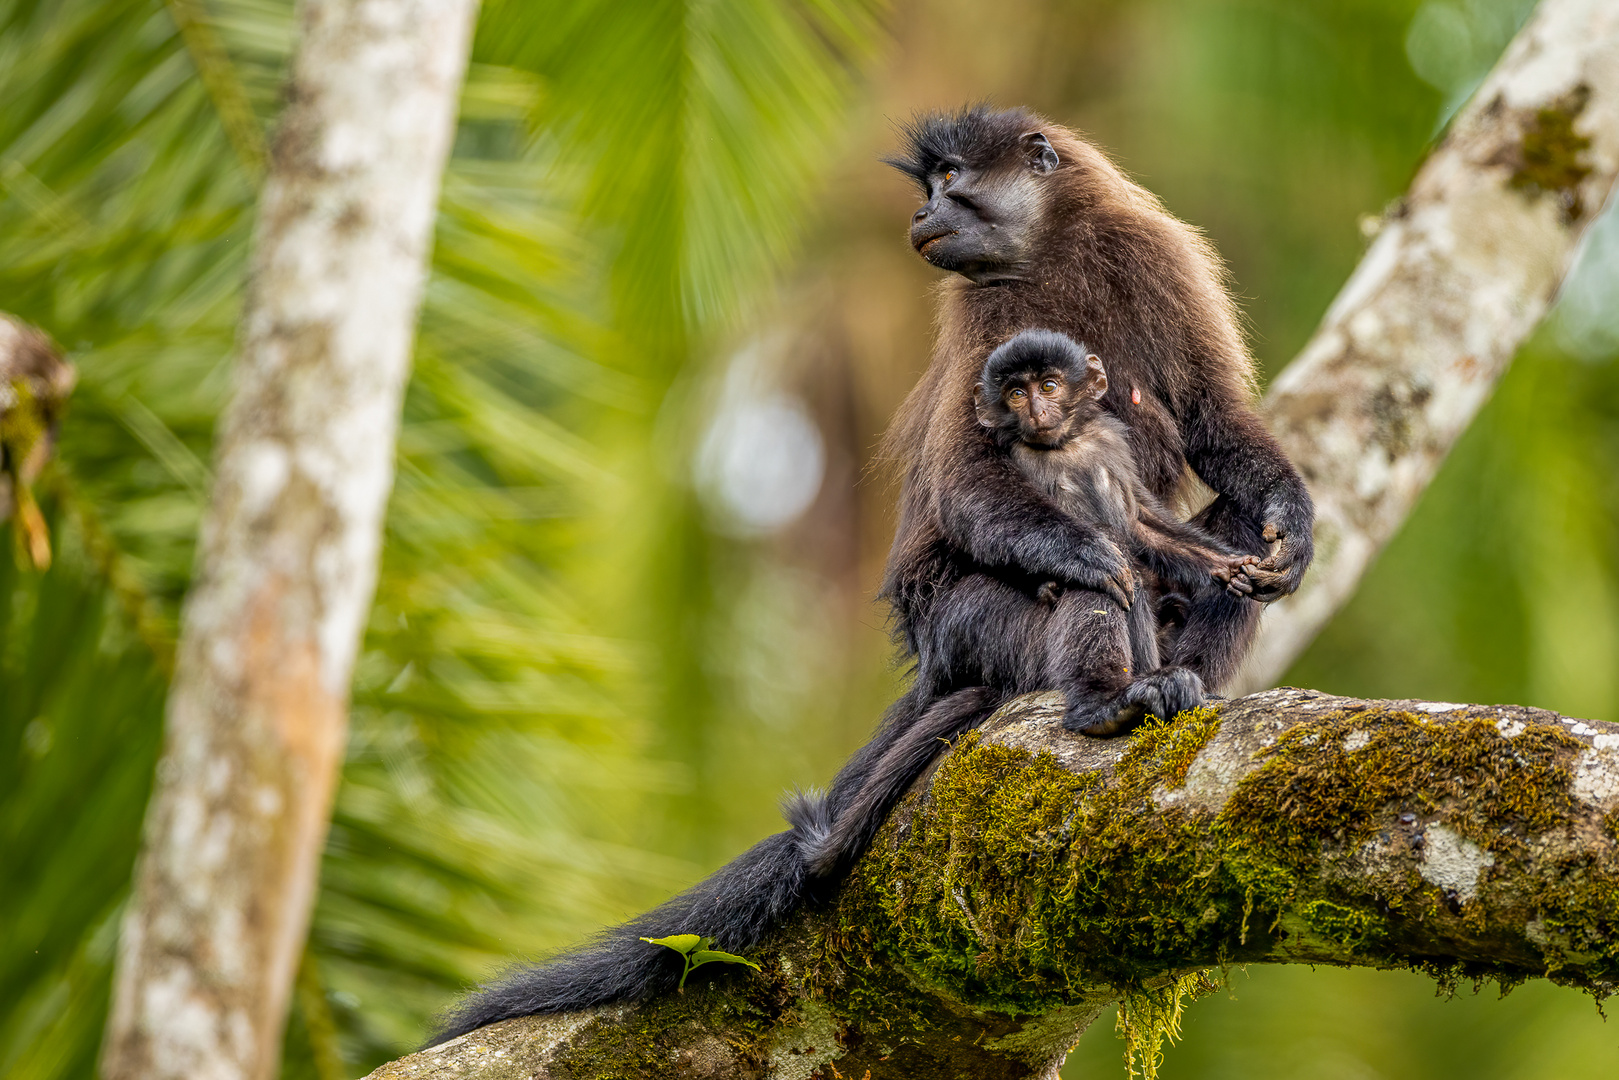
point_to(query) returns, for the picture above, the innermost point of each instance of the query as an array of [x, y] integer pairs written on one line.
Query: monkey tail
[[736, 907], [886, 780], [750, 896]]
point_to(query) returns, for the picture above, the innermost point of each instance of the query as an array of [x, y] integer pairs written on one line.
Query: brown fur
[[1113, 268]]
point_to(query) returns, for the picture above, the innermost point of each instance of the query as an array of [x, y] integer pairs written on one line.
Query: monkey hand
[[1279, 573], [1100, 566], [1233, 574]]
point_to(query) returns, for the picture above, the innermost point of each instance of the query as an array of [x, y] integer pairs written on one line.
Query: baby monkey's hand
[[1236, 574]]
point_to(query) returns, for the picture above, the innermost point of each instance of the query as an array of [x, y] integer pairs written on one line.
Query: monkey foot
[[1165, 693]]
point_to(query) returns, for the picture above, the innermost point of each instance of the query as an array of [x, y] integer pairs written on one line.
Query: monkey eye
[[950, 174], [1014, 394], [1049, 386]]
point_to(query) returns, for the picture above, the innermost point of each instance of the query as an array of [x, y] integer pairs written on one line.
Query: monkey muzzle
[[923, 236]]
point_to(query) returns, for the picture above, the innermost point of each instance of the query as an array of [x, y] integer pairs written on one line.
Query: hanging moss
[[1149, 1018]]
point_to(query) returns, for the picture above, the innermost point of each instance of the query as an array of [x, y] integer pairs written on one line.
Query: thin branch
[[34, 386], [1462, 271]]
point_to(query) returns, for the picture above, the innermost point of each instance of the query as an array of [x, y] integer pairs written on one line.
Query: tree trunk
[[1035, 877], [1460, 274], [257, 711]]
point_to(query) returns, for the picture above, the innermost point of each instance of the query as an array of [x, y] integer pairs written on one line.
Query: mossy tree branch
[[1035, 877]]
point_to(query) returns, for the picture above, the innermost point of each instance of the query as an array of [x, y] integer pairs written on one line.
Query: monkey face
[[979, 220], [1040, 388], [1044, 407]]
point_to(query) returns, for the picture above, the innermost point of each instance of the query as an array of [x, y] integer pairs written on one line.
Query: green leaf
[[704, 956], [684, 944]]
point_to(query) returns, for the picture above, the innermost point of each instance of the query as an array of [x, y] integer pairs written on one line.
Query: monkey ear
[[981, 406], [1095, 376], [1041, 156]]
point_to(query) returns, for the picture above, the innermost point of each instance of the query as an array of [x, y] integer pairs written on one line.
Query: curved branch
[[1463, 269], [1035, 877]]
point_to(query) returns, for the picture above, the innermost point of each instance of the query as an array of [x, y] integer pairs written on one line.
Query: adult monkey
[[1046, 233]]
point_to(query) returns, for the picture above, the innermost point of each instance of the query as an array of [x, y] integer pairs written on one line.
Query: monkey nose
[[920, 215]]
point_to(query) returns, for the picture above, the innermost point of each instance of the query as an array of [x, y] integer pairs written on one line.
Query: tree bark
[[1463, 269], [1035, 877], [257, 711]]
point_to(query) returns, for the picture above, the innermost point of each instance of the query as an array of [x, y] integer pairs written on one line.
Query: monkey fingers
[[1234, 575], [1120, 590], [1266, 584], [1101, 567], [1240, 587], [1282, 571], [1277, 576]]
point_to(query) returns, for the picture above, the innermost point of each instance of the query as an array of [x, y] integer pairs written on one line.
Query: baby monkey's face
[[1043, 403], [1040, 389]]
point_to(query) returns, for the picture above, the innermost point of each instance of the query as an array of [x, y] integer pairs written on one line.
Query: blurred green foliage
[[580, 691], [498, 738]]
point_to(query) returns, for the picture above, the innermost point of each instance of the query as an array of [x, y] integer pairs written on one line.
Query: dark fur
[[1099, 259], [747, 898], [1078, 457]]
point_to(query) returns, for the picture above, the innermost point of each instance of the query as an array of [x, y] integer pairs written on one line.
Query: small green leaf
[[703, 956], [684, 944]]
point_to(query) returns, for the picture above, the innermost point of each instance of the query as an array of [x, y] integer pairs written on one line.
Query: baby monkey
[[1039, 394]]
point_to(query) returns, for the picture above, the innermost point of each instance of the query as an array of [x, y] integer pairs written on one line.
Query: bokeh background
[[627, 586]]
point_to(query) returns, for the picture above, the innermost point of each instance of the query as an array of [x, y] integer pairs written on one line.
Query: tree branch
[[34, 386], [1463, 269], [1035, 877]]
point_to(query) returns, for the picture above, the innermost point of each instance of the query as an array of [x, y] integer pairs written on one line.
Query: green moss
[[1493, 790], [1315, 794], [1347, 926], [1022, 886], [1149, 1018], [729, 1017], [1023, 874], [1018, 888], [1548, 156]]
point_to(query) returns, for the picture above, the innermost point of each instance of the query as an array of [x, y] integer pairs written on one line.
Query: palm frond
[[483, 808]]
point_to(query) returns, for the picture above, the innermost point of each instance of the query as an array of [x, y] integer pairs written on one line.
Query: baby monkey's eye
[[1014, 394], [1049, 386]]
